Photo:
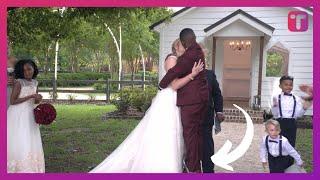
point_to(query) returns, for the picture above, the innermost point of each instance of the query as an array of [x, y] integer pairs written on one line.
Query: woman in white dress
[[156, 144], [24, 146]]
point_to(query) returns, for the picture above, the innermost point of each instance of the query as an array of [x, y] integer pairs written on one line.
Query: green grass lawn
[[304, 147], [79, 140]]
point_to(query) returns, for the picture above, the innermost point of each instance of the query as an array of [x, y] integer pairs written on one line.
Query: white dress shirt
[[287, 149], [287, 104]]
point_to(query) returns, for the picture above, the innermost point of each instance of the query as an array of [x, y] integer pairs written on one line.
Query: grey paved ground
[[249, 162]]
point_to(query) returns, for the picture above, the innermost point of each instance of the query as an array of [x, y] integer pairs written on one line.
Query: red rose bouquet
[[45, 114]]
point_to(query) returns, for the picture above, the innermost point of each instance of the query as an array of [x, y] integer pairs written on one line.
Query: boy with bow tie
[[276, 149], [287, 108]]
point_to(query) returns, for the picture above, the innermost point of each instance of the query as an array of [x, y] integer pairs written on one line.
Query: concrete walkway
[[76, 96]]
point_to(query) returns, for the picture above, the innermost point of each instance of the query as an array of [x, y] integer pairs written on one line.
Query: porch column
[[213, 53], [260, 67]]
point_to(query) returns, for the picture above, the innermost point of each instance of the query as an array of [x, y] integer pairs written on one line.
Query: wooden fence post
[[143, 83], [108, 91], [54, 95]]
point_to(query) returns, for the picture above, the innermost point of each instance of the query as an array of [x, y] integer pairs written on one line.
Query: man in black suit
[[215, 107]]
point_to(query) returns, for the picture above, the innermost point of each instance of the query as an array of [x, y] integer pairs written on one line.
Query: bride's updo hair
[[174, 46]]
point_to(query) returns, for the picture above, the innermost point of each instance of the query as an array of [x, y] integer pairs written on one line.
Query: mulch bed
[[129, 114]]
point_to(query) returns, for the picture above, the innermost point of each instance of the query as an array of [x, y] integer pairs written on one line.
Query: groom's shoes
[[186, 170]]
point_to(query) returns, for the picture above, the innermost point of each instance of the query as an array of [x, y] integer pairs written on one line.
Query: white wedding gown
[[155, 145], [24, 147]]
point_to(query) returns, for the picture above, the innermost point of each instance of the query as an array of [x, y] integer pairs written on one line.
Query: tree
[[89, 37]]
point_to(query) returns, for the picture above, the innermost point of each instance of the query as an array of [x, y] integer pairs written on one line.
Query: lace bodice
[[27, 87]]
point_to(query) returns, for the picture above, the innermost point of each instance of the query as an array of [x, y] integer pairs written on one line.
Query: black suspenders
[[280, 145], [266, 142], [294, 105], [279, 102]]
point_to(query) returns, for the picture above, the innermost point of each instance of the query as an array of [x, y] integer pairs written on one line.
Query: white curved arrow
[[222, 158]]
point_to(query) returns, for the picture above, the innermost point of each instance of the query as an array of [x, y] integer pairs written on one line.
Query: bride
[[156, 144]]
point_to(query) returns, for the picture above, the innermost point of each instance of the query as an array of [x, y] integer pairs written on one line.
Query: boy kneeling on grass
[[276, 150]]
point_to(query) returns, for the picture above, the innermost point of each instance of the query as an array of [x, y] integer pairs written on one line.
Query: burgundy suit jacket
[[196, 91]]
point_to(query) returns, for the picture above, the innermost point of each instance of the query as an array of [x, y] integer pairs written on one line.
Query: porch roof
[[243, 16]]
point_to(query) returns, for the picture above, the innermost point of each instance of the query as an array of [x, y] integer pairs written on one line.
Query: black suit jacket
[[215, 97], [215, 105]]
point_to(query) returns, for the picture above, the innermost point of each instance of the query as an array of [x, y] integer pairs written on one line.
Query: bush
[[122, 100], [64, 77], [139, 75], [53, 95], [92, 97], [103, 86], [149, 94], [149, 75], [135, 98], [72, 97], [100, 86], [113, 87]]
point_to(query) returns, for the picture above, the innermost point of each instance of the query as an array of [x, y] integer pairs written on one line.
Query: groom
[[192, 98]]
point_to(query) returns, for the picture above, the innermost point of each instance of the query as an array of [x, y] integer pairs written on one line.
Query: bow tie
[[287, 94], [273, 141]]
